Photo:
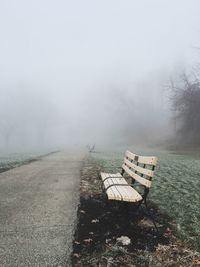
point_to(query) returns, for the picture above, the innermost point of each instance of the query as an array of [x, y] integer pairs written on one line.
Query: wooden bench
[[140, 169]]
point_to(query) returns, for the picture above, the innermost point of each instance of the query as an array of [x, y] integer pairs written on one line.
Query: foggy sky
[[88, 71]]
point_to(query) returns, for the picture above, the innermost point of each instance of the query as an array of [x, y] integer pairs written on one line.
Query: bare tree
[[186, 106]]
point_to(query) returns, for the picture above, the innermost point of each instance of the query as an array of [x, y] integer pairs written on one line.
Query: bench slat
[[112, 181], [141, 159], [123, 193], [138, 168], [106, 184], [123, 190], [111, 192], [138, 178], [128, 193]]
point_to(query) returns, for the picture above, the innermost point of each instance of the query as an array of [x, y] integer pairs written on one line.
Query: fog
[[84, 72]]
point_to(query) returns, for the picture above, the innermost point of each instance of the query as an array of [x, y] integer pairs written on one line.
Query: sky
[[76, 70]]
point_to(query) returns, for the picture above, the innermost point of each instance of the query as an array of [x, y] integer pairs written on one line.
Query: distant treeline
[[186, 107]]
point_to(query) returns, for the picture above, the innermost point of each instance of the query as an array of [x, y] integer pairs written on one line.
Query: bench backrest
[[139, 168]]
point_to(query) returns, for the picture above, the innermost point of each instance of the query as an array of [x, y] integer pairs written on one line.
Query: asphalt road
[[38, 204]]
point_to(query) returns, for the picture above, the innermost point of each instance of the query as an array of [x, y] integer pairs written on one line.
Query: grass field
[[11, 160], [175, 190]]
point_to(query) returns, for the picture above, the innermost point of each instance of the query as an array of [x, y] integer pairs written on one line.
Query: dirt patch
[[118, 234]]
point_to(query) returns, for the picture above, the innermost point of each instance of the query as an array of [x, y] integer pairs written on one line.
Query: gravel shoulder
[[38, 207]]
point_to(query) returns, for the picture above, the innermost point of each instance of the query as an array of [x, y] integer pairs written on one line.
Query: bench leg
[[150, 215], [105, 200], [138, 205]]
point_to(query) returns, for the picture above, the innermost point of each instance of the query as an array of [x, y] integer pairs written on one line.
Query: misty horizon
[[88, 72]]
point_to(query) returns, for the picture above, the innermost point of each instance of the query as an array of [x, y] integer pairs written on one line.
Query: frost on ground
[[11, 160]]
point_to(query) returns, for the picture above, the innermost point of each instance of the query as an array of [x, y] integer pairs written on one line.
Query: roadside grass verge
[[99, 227], [175, 189], [12, 160]]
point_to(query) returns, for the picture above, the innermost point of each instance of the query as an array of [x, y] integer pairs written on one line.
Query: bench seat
[[117, 188]]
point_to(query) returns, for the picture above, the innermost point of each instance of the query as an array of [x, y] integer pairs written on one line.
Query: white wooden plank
[[128, 193], [138, 168], [123, 193], [138, 178], [141, 159], [122, 190], [110, 193]]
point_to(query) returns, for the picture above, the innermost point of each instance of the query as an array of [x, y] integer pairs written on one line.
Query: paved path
[[38, 205]]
